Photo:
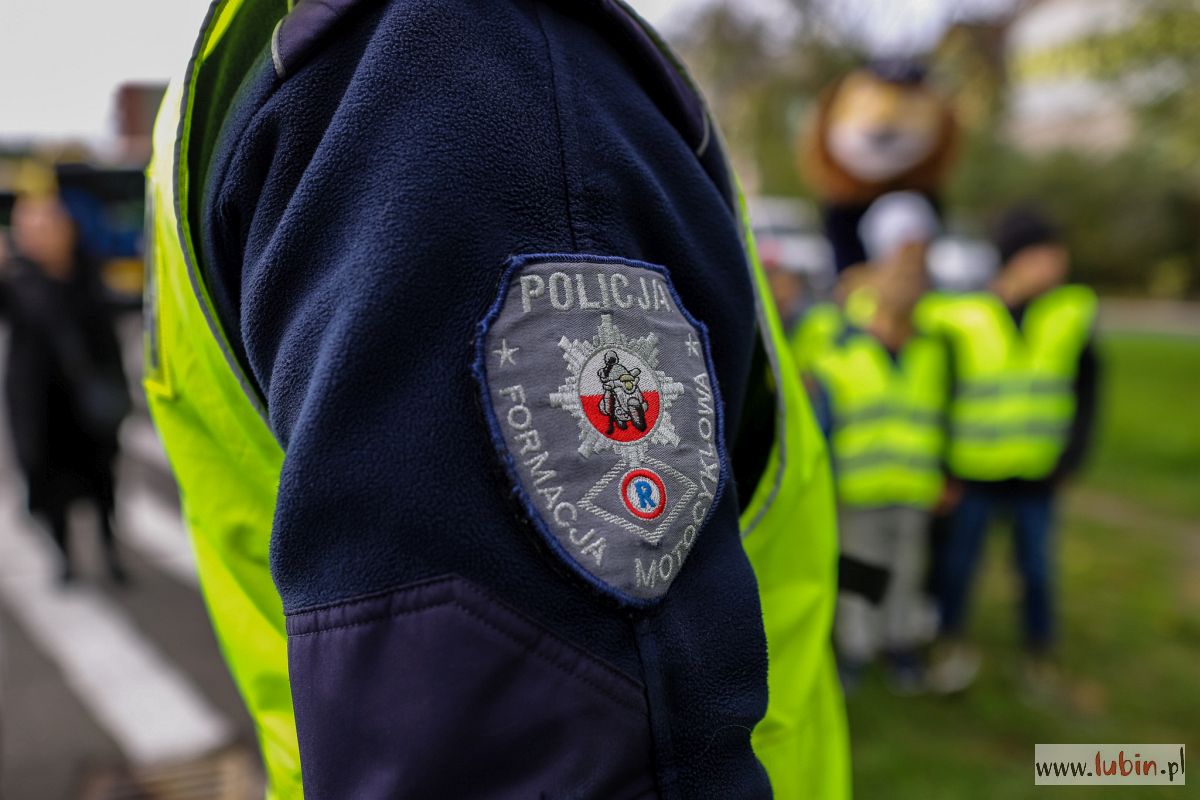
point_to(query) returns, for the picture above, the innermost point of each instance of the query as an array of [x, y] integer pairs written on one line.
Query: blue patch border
[[495, 431]]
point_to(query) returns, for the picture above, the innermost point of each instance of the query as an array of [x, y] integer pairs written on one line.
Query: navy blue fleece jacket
[[371, 180]]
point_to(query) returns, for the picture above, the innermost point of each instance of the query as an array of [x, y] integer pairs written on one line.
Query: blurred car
[[790, 239], [108, 204]]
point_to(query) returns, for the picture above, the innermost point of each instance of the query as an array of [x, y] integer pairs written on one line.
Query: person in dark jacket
[[64, 384]]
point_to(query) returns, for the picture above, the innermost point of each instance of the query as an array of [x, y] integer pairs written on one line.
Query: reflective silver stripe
[[993, 431], [863, 415], [887, 458], [923, 417], [879, 412], [980, 390], [1050, 385]]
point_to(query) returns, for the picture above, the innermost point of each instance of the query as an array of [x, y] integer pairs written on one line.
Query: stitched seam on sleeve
[[564, 163]]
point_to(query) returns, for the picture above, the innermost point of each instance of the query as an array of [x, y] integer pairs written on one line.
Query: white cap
[[894, 220]]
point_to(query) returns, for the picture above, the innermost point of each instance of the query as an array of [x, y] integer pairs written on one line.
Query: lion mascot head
[[878, 129]]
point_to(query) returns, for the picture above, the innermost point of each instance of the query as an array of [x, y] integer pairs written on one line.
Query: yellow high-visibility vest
[[1014, 397], [814, 333], [888, 420]]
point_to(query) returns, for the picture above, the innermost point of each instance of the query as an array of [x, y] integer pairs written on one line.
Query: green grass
[[1148, 447], [1129, 561]]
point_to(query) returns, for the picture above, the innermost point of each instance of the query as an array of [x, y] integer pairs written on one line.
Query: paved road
[[1150, 316], [110, 692]]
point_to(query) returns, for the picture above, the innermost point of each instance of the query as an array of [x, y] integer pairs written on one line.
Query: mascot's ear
[[829, 182], [930, 176]]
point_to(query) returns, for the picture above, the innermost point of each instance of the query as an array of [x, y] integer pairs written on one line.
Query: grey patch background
[[640, 558]]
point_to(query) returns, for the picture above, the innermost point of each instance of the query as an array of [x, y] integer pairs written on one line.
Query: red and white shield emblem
[[620, 395]]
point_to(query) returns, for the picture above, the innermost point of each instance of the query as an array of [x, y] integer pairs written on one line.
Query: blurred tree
[[1133, 218], [761, 78], [1152, 63], [1129, 221], [969, 63]]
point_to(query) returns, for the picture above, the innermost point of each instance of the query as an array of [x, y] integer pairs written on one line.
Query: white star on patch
[[693, 346], [506, 353]]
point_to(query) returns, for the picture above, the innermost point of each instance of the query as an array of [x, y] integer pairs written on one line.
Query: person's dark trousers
[[56, 521], [940, 528], [1030, 506]]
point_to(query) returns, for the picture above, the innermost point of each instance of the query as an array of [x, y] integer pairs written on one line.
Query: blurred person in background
[[893, 223], [1025, 379], [788, 290], [65, 384], [880, 390]]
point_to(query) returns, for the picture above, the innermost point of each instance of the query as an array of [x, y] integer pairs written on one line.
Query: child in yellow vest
[[1024, 398], [881, 389]]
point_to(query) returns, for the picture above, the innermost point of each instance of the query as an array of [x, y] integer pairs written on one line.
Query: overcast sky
[[60, 60]]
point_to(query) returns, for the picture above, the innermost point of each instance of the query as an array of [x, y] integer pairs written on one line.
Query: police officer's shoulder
[[305, 29], [313, 26]]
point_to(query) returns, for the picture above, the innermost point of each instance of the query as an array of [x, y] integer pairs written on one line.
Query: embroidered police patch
[[603, 405]]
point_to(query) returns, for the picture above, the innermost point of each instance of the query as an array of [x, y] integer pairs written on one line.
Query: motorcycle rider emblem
[[623, 410], [602, 404], [616, 392]]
